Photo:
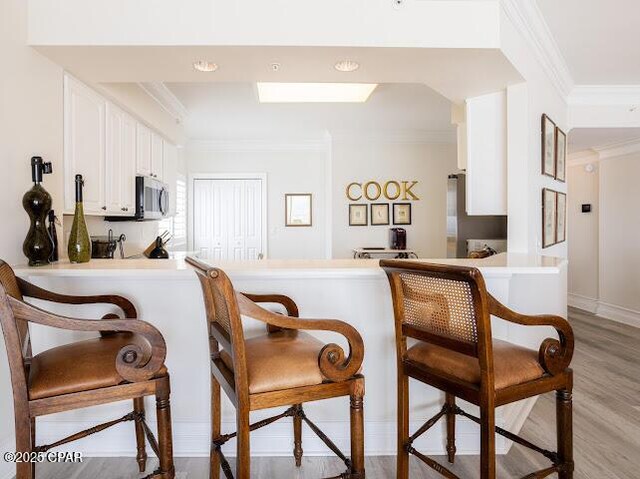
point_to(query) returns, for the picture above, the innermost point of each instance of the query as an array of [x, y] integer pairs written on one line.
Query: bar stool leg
[[403, 425], [297, 435], [165, 436], [214, 459], [24, 469], [141, 456], [564, 426], [243, 454], [451, 427], [487, 442], [357, 430]]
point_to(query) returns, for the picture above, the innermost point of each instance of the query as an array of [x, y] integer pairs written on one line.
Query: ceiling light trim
[[312, 92], [528, 19], [166, 99]]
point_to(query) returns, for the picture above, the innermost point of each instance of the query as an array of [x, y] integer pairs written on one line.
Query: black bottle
[[53, 234], [37, 246]]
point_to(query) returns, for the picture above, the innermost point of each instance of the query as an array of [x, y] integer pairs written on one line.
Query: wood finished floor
[[606, 425]]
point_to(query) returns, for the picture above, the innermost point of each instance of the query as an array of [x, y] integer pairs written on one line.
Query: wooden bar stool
[[285, 367], [447, 309], [126, 362]]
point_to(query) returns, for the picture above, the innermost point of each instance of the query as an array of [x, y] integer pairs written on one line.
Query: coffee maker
[[397, 238]]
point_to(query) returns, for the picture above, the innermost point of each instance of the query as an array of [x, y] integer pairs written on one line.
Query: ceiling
[[600, 40], [232, 111], [581, 139], [456, 73]]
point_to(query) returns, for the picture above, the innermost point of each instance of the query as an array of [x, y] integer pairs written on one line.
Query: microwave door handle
[[163, 195]]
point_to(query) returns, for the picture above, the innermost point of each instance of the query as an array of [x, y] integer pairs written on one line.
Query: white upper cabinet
[[84, 145], [120, 162], [170, 173], [143, 150], [157, 157], [485, 147]]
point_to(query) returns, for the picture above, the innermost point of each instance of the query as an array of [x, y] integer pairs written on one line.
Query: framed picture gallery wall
[[554, 217], [554, 150]]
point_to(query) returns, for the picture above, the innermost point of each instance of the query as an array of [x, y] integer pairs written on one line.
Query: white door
[[143, 150], [84, 145], [227, 218], [120, 162], [156, 156]]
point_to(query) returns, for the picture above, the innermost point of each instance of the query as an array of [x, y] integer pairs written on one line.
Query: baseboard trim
[[584, 303], [7, 469], [619, 314]]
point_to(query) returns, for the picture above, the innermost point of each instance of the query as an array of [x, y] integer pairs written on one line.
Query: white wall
[[360, 159], [301, 171], [604, 258], [30, 124], [620, 232], [583, 229]]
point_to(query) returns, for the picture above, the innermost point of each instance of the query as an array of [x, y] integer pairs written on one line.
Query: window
[[177, 224]]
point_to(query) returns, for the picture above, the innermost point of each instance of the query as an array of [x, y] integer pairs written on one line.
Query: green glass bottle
[[79, 242], [37, 246]]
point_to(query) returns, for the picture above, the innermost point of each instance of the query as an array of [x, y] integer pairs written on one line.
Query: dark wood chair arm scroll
[[554, 355], [138, 361], [33, 291], [332, 361]]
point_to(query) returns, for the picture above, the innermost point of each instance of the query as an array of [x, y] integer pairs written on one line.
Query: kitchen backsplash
[[139, 234]]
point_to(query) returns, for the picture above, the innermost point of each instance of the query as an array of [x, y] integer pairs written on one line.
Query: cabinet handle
[[123, 209], [104, 208]]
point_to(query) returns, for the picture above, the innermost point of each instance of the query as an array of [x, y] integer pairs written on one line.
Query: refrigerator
[[465, 231]]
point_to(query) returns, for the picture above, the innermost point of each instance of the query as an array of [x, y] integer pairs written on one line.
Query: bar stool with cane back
[[284, 367], [125, 363], [448, 310]]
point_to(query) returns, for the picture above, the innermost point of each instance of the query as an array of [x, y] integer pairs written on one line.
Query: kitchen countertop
[[504, 263]]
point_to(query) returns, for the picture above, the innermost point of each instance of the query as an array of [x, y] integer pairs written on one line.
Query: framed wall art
[[561, 217], [379, 214], [549, 217], [402, 213], [298, 209], [561, 155], [358, 214], [548, 147]]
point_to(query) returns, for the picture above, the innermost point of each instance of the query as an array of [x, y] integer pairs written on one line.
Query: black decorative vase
[[37, 246]]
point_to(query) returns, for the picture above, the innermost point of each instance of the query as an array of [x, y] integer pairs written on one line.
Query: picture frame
[[358, 214], [549, 217], [548, 147], [561, 217], [298, 209], [402, 213], [561, 155], [379, 214]]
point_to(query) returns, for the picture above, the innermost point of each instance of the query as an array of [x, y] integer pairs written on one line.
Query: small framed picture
[[379, 214], [298, 209], [549, 214], [358, 215], [402, 213], [561, 218], [548, 147], [561, 154]]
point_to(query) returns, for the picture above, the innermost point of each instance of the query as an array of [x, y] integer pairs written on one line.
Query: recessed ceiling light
[[346, 66], [205, 66], [272, 92]]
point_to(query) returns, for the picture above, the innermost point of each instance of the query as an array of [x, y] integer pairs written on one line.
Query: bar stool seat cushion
[[512, 364], [79, 366], [281, 360]]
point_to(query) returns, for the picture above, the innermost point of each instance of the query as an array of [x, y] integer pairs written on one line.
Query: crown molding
[[404, 137], [255, 145], [621, 148], [605, 95], [528, 20], [166, 99], [583, 157]]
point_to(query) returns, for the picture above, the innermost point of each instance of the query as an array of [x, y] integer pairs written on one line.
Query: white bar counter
[[167, 294]]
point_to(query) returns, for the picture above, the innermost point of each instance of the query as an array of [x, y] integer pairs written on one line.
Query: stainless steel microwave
[[152, 199]]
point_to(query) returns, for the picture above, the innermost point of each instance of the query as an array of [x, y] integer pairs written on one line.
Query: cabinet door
[[156, 156], [84, 146], [170, 173], [143, 150], [114, 159], [128, 176]]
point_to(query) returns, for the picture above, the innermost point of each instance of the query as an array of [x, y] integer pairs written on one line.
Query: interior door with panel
[[209, 238], [245, 219], [84, 146]]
